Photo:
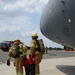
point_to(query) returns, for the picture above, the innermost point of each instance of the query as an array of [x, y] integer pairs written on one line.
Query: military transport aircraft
[[58, 22]]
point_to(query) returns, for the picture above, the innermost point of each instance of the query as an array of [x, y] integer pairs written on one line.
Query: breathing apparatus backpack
[[40, 44], [15, 50]]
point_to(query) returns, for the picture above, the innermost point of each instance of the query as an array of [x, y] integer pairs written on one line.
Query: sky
[[20, 18]]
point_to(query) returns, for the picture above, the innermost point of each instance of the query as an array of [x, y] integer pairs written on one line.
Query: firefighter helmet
[[35, 34], [16, 40]]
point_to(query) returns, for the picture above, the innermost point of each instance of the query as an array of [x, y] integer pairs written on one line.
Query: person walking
[[35, 52], [18, 52], [46, 50]]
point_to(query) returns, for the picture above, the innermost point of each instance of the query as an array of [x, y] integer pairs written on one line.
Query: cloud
[[29, 32], [26, 6], [13, 24], [26, 33], [8, 1], [16, 13], [8, 28]]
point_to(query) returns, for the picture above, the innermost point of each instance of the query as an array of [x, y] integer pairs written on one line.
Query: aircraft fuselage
[[58, 22]]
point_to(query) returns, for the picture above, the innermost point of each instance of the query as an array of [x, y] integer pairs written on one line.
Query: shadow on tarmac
[[68, 70]]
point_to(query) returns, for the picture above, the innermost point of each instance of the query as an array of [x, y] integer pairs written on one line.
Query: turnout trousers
[[17, 64]]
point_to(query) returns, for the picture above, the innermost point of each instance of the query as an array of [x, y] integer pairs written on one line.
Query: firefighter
[[46, 50], [35, 52], [18, 56]]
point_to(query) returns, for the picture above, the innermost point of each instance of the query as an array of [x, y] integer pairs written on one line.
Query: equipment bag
[[28, 61]]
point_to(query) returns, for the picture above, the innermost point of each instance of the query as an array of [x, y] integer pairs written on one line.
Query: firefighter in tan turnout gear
[[18, 52], [36, 52]]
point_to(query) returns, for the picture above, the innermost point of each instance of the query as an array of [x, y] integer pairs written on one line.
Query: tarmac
[[55, 66]]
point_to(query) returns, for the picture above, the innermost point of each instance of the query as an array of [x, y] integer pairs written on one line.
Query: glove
[[8, 62]]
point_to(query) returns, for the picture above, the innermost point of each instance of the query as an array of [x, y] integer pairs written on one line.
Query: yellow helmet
[[16, 40], [35, 34]]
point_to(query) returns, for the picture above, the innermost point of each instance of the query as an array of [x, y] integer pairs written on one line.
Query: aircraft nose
[[53, 22], [57, 22], [46, 28], [46, 22]]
